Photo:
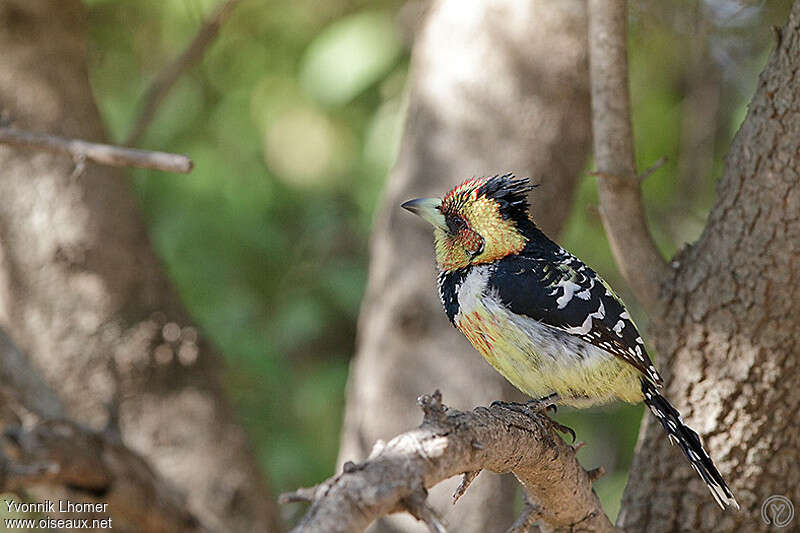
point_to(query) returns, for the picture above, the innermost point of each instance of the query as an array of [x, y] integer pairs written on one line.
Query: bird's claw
[[535, 407], [563, 429]]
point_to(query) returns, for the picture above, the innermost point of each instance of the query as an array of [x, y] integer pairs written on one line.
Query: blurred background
[[293, 118]]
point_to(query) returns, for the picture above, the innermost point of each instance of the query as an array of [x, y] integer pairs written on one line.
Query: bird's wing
[[565, 294]]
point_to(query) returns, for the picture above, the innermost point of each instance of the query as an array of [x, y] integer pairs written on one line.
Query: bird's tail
[[689, 442]]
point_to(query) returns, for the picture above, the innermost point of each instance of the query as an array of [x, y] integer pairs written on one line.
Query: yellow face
[[474, 230]]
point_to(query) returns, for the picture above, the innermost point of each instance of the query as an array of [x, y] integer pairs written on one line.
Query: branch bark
[[165, 79], [104, 154], [619, 189], [396, 475]]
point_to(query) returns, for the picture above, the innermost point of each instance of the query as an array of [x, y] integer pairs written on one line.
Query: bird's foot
[[563, 429], [531, 408]]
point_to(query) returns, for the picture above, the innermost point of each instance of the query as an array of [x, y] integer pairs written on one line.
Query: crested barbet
[[546, 321]]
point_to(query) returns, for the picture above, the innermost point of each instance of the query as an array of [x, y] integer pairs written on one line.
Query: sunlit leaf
[[349, 56]]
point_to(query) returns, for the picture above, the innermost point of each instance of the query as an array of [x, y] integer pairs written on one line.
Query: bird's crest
[[510, 193]]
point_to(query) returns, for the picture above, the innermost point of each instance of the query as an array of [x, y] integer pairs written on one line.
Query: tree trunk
[[83, 294], [729, 340], [495, 87]]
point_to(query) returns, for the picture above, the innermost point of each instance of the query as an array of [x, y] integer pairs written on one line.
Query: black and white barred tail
[[689, 442]]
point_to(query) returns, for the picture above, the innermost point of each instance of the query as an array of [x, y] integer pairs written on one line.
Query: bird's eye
[[456, 224]]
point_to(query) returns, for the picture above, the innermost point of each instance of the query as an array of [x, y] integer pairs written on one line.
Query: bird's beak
[[428, 209]]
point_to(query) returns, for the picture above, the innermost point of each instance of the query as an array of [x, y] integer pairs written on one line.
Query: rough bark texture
[[729, 340], [82, 293], [448, 443], [496, 86]]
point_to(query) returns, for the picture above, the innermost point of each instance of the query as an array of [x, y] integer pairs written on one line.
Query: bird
[[541, 317]]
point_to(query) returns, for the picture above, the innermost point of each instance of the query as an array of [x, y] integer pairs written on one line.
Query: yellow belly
[[540, 360]]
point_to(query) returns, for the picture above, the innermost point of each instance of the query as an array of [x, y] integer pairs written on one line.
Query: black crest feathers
[[510, 193]]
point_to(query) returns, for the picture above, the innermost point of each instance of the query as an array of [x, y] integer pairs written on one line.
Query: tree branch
[[21, 380], [619, 189], [104, 154], [448, 442], [61, 452], [165, 79], [56, 451]]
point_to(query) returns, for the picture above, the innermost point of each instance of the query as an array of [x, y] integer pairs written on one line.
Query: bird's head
[[477, 222]]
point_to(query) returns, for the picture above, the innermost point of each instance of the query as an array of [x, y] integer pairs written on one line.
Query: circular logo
[[777, 511]]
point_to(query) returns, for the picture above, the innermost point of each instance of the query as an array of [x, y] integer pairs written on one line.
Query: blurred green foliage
[[293, 119]]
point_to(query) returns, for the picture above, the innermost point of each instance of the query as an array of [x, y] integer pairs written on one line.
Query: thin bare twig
[[394, 479], [466, 481], [103, 154], [620, 197], [641, 177], [596, 473], [416, 504], [165, 79], [655, 166], [529, 515]]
